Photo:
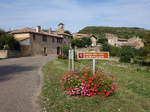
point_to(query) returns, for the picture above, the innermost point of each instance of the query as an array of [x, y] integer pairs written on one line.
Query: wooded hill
[[122, 32]]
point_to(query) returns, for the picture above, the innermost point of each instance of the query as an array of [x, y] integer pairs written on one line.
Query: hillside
[[122, 32]]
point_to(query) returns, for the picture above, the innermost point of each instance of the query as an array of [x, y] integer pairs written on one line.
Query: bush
[[115, 51], [126, 53], [126, 59], [85, 83], [65, 51], [62, 56], [106, 47]]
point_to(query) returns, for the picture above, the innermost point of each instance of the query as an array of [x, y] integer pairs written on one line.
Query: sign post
[[93, 56], [71, 60], [94, 67]]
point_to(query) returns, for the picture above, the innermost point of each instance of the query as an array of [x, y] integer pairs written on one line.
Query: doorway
[[58, 51], [45, 51]]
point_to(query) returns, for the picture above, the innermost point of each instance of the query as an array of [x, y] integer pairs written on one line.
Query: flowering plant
[[85, 83]]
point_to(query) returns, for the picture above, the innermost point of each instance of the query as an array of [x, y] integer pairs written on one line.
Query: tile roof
[[30, 30], [81, 35]]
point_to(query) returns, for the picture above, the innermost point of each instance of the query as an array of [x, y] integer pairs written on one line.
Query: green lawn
[[132, 95]]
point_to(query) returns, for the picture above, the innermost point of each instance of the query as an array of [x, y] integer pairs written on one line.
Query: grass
[[133, 94]]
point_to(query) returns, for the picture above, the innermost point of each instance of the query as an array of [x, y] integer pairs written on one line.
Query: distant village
[[40, 42]]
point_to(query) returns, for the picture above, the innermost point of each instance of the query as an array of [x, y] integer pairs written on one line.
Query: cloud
[[74, 13]]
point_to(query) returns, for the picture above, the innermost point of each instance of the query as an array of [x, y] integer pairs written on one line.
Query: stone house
[[40, 42], [114, 40]]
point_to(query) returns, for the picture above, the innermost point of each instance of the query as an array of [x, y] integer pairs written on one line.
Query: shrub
[[126, 53], [106, 47], [85, 83], [115, 51], [62, 56], [65, 50]]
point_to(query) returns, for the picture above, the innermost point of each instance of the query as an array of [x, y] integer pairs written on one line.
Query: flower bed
[[85, 83]]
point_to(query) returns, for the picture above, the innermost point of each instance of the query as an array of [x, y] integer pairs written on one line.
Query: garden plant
[[85, 83]]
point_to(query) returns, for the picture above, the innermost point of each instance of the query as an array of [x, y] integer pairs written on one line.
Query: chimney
[[38, 28]]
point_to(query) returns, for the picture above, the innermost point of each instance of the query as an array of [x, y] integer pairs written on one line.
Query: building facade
[[114, 40], [39, 42]]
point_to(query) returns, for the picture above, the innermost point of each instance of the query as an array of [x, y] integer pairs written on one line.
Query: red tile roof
[[30, 30]]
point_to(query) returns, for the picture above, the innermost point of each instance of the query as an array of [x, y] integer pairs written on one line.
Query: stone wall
[[38, 46], [9, 54], [3, 54]]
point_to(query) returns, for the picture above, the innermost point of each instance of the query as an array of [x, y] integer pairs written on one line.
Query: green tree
[[67, 31], [82, 42], [126, 53], [7, 41], [115, 51], [106, 47], [102, 40]]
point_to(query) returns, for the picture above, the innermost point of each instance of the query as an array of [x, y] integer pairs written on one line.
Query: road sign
[[93, 55]]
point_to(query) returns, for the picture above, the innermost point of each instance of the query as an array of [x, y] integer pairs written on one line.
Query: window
[[59, 40], [44, 38]]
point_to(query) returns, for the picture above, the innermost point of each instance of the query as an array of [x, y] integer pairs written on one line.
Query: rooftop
[[30, 30]]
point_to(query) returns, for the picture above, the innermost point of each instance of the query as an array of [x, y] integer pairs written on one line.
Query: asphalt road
[[19, 83]]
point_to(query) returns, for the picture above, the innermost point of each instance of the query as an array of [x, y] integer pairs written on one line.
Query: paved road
[[19, 83]]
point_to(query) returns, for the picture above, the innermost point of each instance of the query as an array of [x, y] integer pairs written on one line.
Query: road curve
[[19, 82]]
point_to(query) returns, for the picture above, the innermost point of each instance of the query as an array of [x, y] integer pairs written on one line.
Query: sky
[[75, 14]]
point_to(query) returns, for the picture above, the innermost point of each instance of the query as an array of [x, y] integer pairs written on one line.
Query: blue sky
[[75, 14]]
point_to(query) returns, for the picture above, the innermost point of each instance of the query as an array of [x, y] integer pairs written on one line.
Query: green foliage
[[102, 40], [106, 47], [132, 94], [145, 51], [122, 32], [67, 31], [115, 51], [80, 43], [126, 53], [65, 50], [7, 41]]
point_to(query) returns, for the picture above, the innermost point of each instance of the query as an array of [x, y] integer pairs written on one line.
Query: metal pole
[[72, 60], [69, 62], [94, 61]]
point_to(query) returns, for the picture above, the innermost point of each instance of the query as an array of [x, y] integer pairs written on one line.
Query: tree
[[106, 47], [87, 41], [102, 40], [7, 41], [82, 42], [115, 51], [126, 53], [67, 31]]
